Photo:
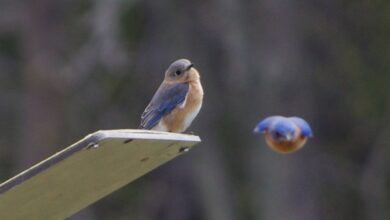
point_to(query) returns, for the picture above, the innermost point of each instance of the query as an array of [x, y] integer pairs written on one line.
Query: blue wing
[[263, 125], [303, 125], [167, 97]]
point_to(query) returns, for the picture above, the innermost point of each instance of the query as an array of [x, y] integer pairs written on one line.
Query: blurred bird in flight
[[284, 134], [177, 101]]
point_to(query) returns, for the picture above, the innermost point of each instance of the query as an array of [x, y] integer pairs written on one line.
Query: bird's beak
[[289, 137], [190, 66]]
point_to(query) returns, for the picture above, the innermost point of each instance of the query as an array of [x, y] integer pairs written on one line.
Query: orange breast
[[287, 146], [182, 116]]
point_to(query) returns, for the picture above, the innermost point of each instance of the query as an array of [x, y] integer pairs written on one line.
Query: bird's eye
[[278, 135], [178, 72]]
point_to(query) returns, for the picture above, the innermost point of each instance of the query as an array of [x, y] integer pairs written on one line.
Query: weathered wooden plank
[[88, 170]]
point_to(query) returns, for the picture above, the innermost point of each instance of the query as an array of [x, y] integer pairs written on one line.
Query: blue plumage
[[263, 125], [167, 97], [303, 125], [282, 125], [284, 134]]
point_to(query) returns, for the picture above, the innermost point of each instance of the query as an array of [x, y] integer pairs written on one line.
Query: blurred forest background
[[71, 67]]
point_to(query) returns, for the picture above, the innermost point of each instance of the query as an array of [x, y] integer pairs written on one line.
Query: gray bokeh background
[[71, 67]]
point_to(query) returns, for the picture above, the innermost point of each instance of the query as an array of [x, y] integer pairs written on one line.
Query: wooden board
[[85, 172]]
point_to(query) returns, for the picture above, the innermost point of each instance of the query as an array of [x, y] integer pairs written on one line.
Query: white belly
[[160, 127], [191, 116]]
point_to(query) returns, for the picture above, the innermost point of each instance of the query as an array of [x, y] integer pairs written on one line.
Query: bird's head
[[283, 131], [181, 70], [279, 128]]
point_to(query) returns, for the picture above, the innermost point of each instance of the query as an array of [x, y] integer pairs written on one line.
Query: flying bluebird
[[177, 101], [284, 134]]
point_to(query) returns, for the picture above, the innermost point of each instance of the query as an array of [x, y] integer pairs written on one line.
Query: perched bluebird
[[284, 134], [177, 101]]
